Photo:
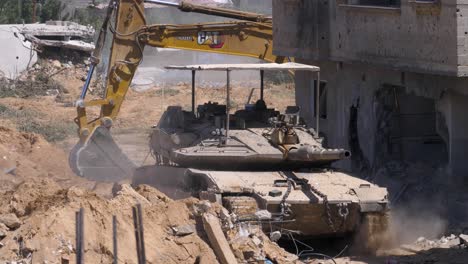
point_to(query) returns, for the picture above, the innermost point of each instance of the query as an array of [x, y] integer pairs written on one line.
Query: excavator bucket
[[101, 159]]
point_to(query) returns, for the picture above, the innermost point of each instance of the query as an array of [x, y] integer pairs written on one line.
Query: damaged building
[[393, 77], [23, 42]]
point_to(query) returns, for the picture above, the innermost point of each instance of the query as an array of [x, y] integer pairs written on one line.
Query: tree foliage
[[21, 11]]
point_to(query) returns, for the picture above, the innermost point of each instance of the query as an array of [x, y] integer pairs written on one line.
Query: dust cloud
[[407, 224]]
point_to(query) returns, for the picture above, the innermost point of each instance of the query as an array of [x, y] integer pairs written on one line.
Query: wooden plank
[[217, 239]]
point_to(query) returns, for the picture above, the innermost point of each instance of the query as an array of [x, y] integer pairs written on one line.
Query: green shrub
[[52, 132]]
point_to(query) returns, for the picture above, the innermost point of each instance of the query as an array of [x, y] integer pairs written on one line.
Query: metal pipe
[[193, 91], [228, 102], [262, 87]]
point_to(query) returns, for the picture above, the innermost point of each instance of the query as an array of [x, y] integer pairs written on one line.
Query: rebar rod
[[114, 238], [79, 236]]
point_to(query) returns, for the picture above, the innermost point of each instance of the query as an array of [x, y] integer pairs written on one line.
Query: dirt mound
[[47, 233], [174, 233], [25, 156]]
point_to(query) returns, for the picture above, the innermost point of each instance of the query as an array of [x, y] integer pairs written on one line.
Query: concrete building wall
[[395, 77], [357, 89], [395, 37]]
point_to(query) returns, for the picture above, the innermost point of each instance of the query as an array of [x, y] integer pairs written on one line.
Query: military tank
[[257, 159]]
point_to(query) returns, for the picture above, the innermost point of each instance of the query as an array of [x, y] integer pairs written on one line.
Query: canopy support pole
[[228, 103], [317, 104], [193, 91], [262, 77]]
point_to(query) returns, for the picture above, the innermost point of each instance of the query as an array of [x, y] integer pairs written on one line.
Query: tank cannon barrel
[[216, 11], [309, 153]]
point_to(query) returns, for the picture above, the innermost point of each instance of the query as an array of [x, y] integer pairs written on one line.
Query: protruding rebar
[[114, 237], [139, 237], [79, 221], [142, 237]]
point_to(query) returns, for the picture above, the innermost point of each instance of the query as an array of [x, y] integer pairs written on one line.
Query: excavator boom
[[97, 156]]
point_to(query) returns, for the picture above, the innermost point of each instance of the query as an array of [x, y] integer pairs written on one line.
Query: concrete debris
[[203, 207], [217, 239], [256, 241], [3, 231], [10, 220], [263, 215], [66, 34], [423, 243], [463, 239], [65, 260], [68, 44], [56, 64], [226, 218], [11, 171], [183, 230], [420, 240], [65, 29]]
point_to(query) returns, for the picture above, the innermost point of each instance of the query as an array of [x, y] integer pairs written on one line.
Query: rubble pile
[[42, 225], [452, 241], [37, 222], [39, 197], [38, 80]]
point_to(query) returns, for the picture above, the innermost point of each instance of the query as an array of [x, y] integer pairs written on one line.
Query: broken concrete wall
[[454, 107], [426, 123], [17, 54]]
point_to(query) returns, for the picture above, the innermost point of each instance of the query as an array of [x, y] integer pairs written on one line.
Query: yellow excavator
[[97, 156]]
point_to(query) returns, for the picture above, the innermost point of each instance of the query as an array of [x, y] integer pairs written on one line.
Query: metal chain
[[283, 200], [312, 188], [326, 204]]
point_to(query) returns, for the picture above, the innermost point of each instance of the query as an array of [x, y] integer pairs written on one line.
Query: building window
[[385, 3], [322, 99]]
